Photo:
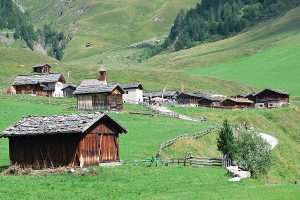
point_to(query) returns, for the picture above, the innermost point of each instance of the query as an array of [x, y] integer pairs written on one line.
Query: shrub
[[253, 154]]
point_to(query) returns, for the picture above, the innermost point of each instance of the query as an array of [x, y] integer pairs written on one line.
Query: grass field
[[140, 182]]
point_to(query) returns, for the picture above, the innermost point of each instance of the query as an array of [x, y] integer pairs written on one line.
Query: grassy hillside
[[263, 56], [15, 61], [139, 182], [106, 24], [275, 122]]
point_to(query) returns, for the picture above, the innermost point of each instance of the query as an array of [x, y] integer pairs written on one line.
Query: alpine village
[[150, 99]]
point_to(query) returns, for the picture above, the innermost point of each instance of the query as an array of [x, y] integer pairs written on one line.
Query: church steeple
[[102, 74]]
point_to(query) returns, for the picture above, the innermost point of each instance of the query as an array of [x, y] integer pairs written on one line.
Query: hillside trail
[[272, 141], [164, 110]]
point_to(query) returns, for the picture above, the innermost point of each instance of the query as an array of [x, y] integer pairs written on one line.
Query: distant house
[[39, 84], [133, 93], [237, 103], [190, 98], [88, 45], [64, 140], [93, 95], [68, 90], [210, 101], [270, 98], [42, 68], [167, 96]]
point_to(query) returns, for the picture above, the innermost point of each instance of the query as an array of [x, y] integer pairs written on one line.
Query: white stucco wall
[[133, 96], [58, 90]]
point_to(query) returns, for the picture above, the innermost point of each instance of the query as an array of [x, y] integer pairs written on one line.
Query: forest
[[13, 19], [212, 20]]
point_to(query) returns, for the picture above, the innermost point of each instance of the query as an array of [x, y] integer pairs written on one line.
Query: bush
[[253, 154]]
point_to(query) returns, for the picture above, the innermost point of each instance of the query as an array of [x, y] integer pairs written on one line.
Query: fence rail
[[194, 161], [185, 136]]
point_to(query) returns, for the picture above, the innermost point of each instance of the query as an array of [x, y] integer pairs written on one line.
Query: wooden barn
[[39, 84], [167, 96], [210, 101], [93, 95], [68, 90], [190, 98], [42, 68], [237, 103], [64, 140]]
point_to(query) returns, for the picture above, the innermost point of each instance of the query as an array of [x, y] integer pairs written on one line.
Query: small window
[[126, 92]]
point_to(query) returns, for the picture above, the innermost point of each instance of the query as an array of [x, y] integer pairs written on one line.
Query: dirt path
[[272, 141], [165, 110]]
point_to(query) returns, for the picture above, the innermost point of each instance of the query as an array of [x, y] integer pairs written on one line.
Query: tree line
[[12, 18], [211, 20]]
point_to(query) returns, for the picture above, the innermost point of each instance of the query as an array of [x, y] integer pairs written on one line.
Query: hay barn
[[64, 140]]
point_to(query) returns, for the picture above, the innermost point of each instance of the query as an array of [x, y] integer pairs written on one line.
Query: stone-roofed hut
[[64, 140], [237, 103], [190, 98], [169, 96], [94, 95], [39, 84], [68, 90], [42, 68]]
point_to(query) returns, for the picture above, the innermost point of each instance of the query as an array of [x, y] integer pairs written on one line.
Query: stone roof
[[41, 65], [160, 94], [274, 90], [239, 100], [92, 82], [69, 85], [57, 124], [132, 86], [96, 89], [36, 79], [102, 68]]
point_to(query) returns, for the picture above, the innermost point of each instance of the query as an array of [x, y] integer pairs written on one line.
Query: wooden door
[[108, 148]]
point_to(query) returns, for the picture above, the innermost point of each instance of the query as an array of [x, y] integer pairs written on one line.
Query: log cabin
[[39, 84], [68, 90], [93, 95], [42, 68], [237, 103], [210, 101], [166, 96], [64, 140], [190, 98], [133, 93]]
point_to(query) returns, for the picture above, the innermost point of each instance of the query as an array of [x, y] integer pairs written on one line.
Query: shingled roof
[[239, 100], [132, 86], [274, 90], [57, 124], [69, 85], [160, 94], [41, 65], [96, 89], [36, 79]]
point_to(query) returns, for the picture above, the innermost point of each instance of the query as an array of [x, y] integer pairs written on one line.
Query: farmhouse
[[133, 93], [239, 103], [68, 90], [271, 98], [64, 140], [94, 95], [39, 84], [190, 98], [42, 68], [211, 101], [165, 96]]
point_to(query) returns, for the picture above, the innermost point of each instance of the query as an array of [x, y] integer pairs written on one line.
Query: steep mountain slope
[[105, 24], [263, 56]]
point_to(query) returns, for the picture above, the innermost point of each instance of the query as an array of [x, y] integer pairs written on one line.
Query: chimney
[[102, 74]]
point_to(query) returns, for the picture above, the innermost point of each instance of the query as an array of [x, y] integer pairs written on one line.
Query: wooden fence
[[195, 161], [185, 136]]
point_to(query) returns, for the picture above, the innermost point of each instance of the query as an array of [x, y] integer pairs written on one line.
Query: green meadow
[[142, 141]]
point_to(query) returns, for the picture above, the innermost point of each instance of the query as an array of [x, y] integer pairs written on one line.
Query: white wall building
[[133, 93]]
